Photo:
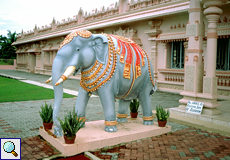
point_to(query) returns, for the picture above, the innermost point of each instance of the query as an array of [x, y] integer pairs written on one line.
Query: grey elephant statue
[[112, 67]]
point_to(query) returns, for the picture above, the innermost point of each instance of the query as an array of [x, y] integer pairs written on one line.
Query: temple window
[[177, 55], [223, 54]]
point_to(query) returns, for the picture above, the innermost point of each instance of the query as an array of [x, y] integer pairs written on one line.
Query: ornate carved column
[[153, 33], [193, 58], [194, 67], [212, 13], [197, 87], [38, 62]]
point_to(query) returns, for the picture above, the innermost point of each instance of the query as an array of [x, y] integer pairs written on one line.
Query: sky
[[18, 15]]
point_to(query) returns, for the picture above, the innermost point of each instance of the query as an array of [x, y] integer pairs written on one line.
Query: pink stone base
[[93, 136]]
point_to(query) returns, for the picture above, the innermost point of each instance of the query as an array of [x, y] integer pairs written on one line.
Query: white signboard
[[194, 107]]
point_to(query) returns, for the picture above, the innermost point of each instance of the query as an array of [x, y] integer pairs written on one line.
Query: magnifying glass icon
[[9, 147]]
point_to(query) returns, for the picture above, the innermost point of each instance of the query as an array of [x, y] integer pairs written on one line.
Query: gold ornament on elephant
[[69, 37], [96, 79], [84, 33]]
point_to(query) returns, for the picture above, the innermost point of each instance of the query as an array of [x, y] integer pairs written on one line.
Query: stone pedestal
[[94, 137]]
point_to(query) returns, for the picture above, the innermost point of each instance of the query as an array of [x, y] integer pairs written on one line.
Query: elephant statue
[[112, 67]]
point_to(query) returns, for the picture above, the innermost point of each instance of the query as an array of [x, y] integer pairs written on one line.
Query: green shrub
[[161, 114], [134, 105], [6, 61], [72, 124], [46, 113]]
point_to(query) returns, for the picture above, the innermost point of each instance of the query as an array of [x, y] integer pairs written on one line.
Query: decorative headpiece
[[69, 37]]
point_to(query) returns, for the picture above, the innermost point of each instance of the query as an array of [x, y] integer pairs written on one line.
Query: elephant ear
[[100, 46]]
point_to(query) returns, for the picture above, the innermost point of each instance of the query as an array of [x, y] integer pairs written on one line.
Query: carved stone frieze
[[171, 86], [186, 59], [223, 93], [212, 35], [195, 58], [195, 29], [128, 33], [189, 78], [206, 85], [194, 10], [194, 50], [191, 30], [153, 32], [210, 85], [155, 24], [200, 73]]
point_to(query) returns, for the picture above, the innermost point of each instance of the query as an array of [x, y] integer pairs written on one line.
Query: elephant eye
[[78, 49]]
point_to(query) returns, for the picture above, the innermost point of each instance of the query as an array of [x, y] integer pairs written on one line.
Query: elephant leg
[[107, 101], [122, 110], [145, 101], [82, 100]]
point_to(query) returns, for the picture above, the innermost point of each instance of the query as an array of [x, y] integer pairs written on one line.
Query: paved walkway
[[21, 119], [189, 143]]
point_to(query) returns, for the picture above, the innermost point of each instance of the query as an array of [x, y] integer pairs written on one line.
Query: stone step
[[216, 124]]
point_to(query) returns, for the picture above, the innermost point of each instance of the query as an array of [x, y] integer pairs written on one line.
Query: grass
[[12, 90]]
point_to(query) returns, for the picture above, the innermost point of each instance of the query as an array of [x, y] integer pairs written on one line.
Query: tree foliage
[[7, 51]]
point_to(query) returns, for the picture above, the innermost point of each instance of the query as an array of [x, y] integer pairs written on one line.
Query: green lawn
[[13, 90]]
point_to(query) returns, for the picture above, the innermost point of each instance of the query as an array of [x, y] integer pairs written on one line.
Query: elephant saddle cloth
[[129, 48], [129, 53]]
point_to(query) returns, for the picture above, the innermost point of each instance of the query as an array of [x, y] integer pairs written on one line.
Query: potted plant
[[70, 126], [162, 116], [134, 105], [46, 114]]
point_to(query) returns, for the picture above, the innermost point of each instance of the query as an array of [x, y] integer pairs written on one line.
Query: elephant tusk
[[66, 74], [49, 80]]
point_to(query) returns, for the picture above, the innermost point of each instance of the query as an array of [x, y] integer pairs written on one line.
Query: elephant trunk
[[57, 71]]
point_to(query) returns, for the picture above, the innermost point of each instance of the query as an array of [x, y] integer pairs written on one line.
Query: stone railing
[[136, 4], [223, 78], [177, 75], [173, 75], [88, 17], [98, 14], [22, 65], [47, 66]]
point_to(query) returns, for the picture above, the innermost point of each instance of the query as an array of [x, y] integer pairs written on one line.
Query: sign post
[[194, 107]]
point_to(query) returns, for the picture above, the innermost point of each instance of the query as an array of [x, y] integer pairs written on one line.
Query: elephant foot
[[147, 122], [122, 120], [110, 128], [58, 131]]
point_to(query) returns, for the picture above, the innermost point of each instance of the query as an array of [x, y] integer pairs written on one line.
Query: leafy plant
[[134, 105], [72, 124], [46, 113], [161, 114]]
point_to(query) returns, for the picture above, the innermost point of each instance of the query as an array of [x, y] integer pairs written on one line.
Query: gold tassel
[[127, 69], [122, 58], [138, 71]]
